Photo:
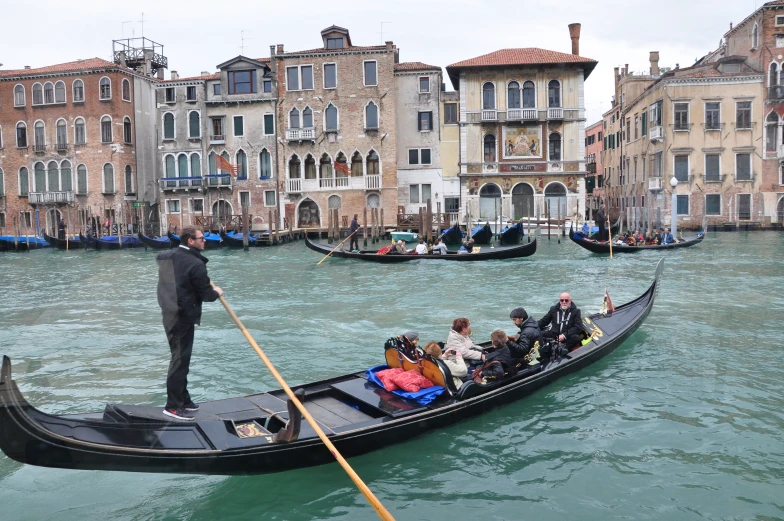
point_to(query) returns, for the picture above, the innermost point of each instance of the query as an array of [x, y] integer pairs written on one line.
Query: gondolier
[[183, 284], [601, 222], [354, 243]]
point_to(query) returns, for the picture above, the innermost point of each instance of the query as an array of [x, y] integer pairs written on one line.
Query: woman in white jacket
[[458, 339], [451, 359]]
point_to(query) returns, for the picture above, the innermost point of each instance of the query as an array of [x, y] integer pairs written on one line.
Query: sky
[[197, 35]]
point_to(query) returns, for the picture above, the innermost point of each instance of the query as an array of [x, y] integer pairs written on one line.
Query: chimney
[[159, 73], [272, 51], [626, 70], [121, 60], [574, 34], [175, 75], [616, 76], [280, 49], [389, 45], [730, 26], [27, 67], [654, 63], [205, 73]]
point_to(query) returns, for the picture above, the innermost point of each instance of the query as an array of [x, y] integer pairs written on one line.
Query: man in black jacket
[[529, 333], [354, 231], [183, 284], [565, 321], [601, 222]]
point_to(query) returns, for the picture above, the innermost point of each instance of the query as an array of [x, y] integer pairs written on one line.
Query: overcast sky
[[197, 34]]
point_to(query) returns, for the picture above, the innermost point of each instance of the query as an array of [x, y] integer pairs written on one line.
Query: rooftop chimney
[[389, 45], [175, 75], [574, 34], [626, 70], [27, 67], [272, 51], [205, 73], [616, 76], [654, 63], [280, 49]]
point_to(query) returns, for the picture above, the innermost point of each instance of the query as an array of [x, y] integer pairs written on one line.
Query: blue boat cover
[[207, 237], [455, 227], [423, 397], [127, 240], [32, 240], [238, 236], [478, 229]]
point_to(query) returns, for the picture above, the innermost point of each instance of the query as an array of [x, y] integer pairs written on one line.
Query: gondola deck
[[236, 435]]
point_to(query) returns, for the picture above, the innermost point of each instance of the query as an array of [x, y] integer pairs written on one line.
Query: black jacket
[[567, 322], [502, 355], [529, 333], [354, 226], [183, 284], [601, 219]]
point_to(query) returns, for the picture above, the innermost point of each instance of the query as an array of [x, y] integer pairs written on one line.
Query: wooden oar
[[382, 512], [336, 247], [609, 234]]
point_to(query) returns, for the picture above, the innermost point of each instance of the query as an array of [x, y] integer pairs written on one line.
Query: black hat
[[518, 313], [411, 335]]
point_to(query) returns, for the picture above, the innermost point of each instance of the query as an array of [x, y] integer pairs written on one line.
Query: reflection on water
[[682, 422]]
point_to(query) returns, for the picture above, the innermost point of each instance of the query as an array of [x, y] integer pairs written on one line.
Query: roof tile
[[78, 65], [415, 66], [522, 56]]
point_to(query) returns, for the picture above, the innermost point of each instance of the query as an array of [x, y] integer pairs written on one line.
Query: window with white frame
[[681, 111], [108, 178], [682, 205], [450, 113], [59, 92], [425, 121], [554, 93], [331, 118], [80, 134], [126, 90], [370, 73], [265, 164], [61, 134], [78, 91], [681, 168], [173, 205], [39, 134], [743, 115], [419, 193], [242, 82], [217, 129], [48, 93], [754, 37], [294, 118], [197, 205], [743, 167], [196, 166], [712, 168], [190, 93], [779, 21], [129, 180], [105, 89], [419, 156], [24, 182], [106, 130], [371, 116], [239, 126], [242, 165], [269, 124], [656, 164], [513, 95], [19, 96], [489, 148], [554, 146], [81, 180], [712, 204], [194, 124], [299, 77], [269, 198], [488, 96], [330, 75], [244, 199], [424, 84], [21, 135], [127, 131], [216, 89], [38, 94], [334, 202], [713, 115], [656, 114], [267, 85]]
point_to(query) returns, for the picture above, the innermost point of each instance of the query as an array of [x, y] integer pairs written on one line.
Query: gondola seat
[[470, 388]]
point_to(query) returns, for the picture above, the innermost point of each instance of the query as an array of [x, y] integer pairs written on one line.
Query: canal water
[[683, 421]]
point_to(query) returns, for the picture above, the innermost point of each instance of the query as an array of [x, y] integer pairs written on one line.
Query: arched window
[[106, 130], [168, 126], [529, 95], [80, 136], [554, 146], [38, 94], [105, 88], [373, 201], [108, 178], [372, 163], [513, 95], [182, 165], [371, 115], [334, 202], [356, 165], [265, 164], [325, 167], [294, 118], [307, 118], [61, 134], [554, 93], [170, 170], [48, 92], [771, 127], [78, 91], [19, 96], [24, 181], [294, 167], [66, 181], [488, 96], [310, 167], [194, 124], [773, 79], [21, 135], [127, 131], [212, 166], [341, 165], [40, 134], [59, 92], [126, 90], [331, 118], [52, 177], [39, 177], [242, 165], [489, 148], [195, 165], [81, 180], [555, 197], [754, 37], [129, 180]]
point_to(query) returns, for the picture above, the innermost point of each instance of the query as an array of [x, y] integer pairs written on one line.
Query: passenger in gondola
[[631, 240], [667, 237], [467, 246], [459, 339], [499, 352], [440, 247], [565, 321], [521, 344], [421, 248], [639, 238], [400, 247], [649, 239], [452, 359]]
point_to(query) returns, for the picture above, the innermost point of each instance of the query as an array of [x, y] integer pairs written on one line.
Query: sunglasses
[[199, 238], [565, 300]]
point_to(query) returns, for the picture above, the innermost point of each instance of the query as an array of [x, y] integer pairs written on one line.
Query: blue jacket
[[666, 238]]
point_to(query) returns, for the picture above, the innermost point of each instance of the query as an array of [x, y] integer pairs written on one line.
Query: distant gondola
[[21, 243], [237, 436], [111, 242], [594, 235], [64, 244], [453, 236], [482, 234], [511, 234], [212, 241], [604, 247], [159, 243], [234, 240], [485, 253]]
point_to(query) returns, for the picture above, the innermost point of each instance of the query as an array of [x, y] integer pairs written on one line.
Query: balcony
[[489, 115], [294, 186], [522, 114], [656, 133], [217, 138], [181, 183], [301, 134], [555, 113], [654, 184], [50, 197], [776, 92], [39, 148], [61, 147], [366, 182], [590, 168], [218, 180]]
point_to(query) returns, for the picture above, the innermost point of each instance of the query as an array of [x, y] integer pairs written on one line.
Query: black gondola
[[604, 247], [212, 241], [63, 244], [237, 435], [613, 230], [485, 253], [234, 240], [160, 243], [174, 239], [482, 234], [511, 234], [110, 242], [453, 236]]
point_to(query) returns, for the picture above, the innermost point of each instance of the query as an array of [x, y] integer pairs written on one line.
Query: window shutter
[[419, 121]]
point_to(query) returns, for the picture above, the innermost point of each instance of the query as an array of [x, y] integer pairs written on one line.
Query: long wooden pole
[[382, 512], [336, 247], [609, 233]]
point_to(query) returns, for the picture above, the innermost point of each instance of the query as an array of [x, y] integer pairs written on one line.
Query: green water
[[683, 421]]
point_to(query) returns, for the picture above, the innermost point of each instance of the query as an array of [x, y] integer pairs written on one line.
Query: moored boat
[[158, 243], [234, 240], [21, 243], [482, 234], [404, 236], [111, 242], [604, 246], [64, 244], [453, 236], [511, 234], [212, 241]]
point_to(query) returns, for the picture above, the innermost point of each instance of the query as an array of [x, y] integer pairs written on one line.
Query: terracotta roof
[[415, 66], [351, 48], [79, 65], [215, 76]]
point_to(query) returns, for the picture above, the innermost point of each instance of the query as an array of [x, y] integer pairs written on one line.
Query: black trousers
[[181, 344], [354, 241], [570, 342]]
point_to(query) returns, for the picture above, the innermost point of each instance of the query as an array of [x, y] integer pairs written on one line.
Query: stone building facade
[[594, 178]]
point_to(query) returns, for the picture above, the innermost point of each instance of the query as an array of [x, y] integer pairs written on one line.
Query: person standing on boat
[[354, 231], [61, 229], [601, 222], [565, 321], [521, 344], [183, 284], [458, 339]]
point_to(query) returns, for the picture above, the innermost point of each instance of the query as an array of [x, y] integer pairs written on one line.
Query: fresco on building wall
[[522, 142]]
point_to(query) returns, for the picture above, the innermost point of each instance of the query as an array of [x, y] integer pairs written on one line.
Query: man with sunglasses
[[565, 323], [183, 284]]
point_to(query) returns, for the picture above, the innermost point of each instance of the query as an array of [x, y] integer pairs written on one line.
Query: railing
[[489, 115], [61, 147], [218, 180], [555, 113], [217, 137], [174, 183], [522, 114], [776, 92], [50, 197], [372, 182], [294, 186], [655, 183], [39, 148], [656, 133], [591, 168], [367, 182], [327, 182], [297, 134]]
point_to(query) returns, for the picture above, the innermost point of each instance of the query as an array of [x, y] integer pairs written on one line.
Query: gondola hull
[[512, 234], [63, 244], [234, 240], [212, 241], [110, 242], [604, 247], [485, 253], [358, 416], [453, 236], [482, 234], [161, 243]]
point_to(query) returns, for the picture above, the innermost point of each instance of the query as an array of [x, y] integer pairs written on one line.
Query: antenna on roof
[[242, 40], [382, 31], [142, 21]]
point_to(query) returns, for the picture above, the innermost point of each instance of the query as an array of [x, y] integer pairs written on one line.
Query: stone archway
[[308, 214], [221, 212], [522, 201], [553, 194], [489, 201]]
